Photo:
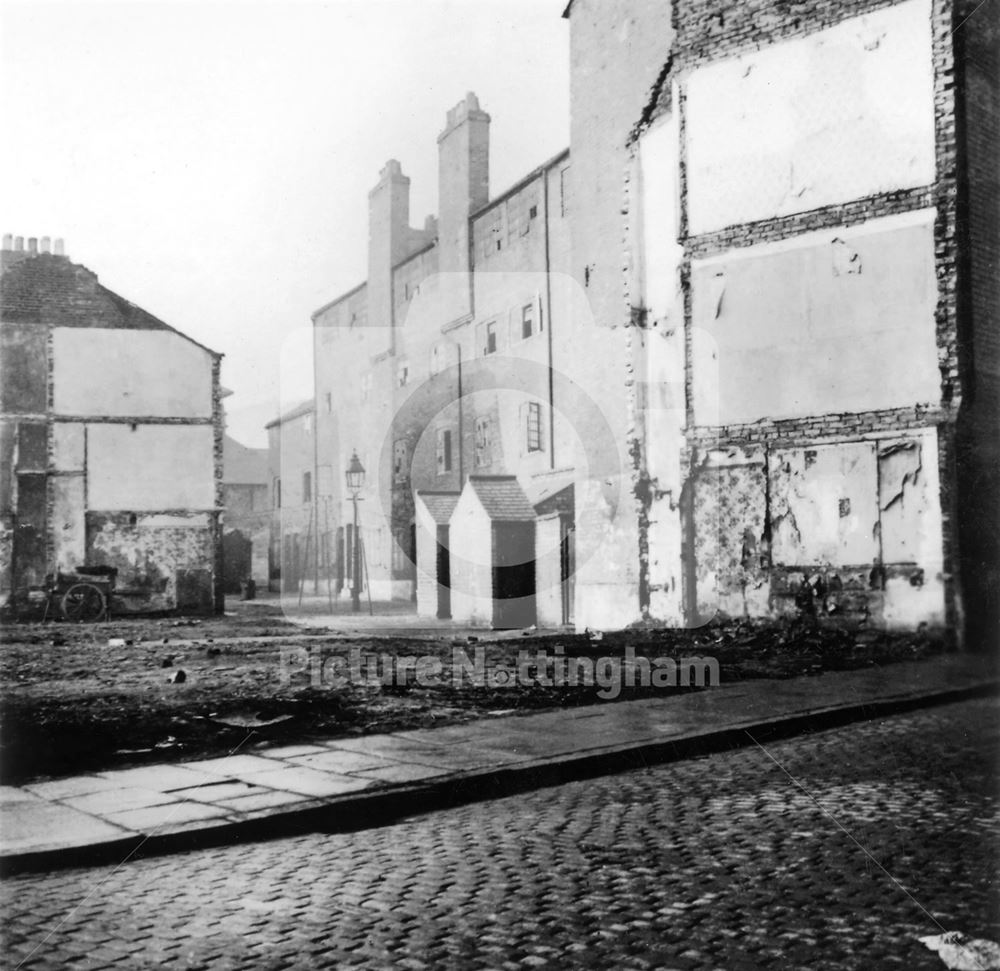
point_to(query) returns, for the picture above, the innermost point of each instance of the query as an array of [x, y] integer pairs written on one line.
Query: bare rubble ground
[[87, 698]]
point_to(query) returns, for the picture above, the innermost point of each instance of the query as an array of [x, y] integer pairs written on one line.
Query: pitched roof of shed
[[52, 289], [502, 498], [439, 504]]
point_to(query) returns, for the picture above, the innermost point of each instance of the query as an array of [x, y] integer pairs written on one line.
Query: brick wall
[[707, 33], [977, 44]]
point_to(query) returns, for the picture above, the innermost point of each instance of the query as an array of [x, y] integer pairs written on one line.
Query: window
[[443, 450], [564, 191], [528, 320], [400, 468], [532, 413], [277, 493], [307, 487], [439, 358], [484, 442], [402, 373], [490, 338], [307, 424], [328, 398]]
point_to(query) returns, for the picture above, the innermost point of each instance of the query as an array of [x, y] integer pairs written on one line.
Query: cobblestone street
[[751, 859]]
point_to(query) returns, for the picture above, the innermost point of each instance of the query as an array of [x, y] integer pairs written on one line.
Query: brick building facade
[[111, 433], [456, 359], [300, 549], [740, 357], [813, 314]]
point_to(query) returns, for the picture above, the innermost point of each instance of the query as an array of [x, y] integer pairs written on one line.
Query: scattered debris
[[118, 642], [168, 662], [178, 677], [963, 953], [238, 720]]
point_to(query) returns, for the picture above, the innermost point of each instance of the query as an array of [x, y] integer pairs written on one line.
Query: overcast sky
[[211, 161]]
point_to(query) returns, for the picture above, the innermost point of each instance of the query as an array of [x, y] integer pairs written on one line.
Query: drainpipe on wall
[[548, 324], [461, 424]]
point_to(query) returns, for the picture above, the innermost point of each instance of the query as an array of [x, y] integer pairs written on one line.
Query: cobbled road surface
[[833, 850]]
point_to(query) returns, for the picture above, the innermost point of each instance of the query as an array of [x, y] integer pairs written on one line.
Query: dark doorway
[[291, 571], [443, 574], [513, 575], [29, 530], [236, 560], [567, 566], [413, 562]]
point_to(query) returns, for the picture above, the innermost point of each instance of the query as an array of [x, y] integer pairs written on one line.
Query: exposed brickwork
[[39, 294], [711, 30], [782, 227], [977, 443], [708, 30], [800, 431], [218, 443]]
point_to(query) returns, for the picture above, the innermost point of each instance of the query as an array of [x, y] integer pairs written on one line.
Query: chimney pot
[[18, 243], [33, 245], [45, 244], [8, 241], [60, 246]]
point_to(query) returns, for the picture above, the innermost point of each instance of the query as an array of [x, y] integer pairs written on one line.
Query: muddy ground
[[86, 698]]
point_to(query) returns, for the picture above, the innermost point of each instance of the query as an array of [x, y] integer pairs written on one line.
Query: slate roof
[[439, 504], [50, 289], [502, 498], [304, 408]]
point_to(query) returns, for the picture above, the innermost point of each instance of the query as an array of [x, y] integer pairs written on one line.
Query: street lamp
[[355, 476]]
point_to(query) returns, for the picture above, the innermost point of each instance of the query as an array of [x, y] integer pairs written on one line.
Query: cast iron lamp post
[[355, 475]]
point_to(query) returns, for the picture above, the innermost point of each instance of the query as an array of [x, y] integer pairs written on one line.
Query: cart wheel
[[83, 603]]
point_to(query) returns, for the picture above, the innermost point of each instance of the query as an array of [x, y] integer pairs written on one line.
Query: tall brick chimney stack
[[388, 229], [463, 178], [463, 186]]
